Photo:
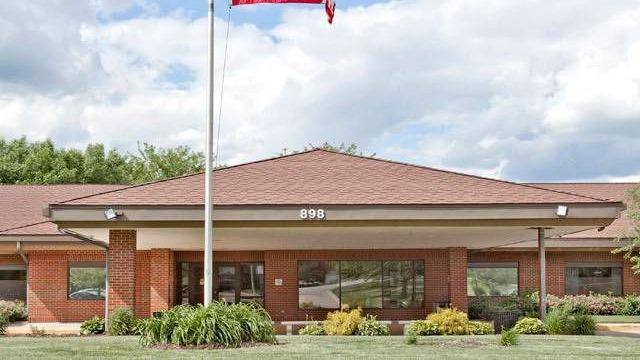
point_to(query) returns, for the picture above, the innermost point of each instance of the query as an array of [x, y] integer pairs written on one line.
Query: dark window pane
[[86, 283], [599, 280], [403, 284], [13, 284], [492, 281], [251, 282], [226, 283], [361, 284], [318, 285]]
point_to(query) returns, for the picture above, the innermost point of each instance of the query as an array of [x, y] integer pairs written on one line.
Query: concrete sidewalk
[[629, 330], [26, 328]]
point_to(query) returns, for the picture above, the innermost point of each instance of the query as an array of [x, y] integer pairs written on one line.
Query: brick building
[[304, 234]]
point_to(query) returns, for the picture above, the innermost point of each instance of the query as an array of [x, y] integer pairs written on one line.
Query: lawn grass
[[325, 347], [617, 319]]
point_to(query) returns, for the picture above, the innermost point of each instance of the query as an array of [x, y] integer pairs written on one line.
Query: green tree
[[631, 239], [23, 162], [351, 149]]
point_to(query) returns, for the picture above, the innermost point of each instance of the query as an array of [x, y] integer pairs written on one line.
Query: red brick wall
[[143, 283], [47, 292], [528, 266], [458, 278], [282, 301], [122, 269], [162, 283]]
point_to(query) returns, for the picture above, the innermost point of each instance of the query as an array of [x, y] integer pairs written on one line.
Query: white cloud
[[526, 91]]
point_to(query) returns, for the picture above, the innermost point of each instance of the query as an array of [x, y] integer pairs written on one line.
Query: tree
[[23, 162], [631, 248], [351, 149]]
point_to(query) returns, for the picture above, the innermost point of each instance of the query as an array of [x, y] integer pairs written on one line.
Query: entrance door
[[232, 282]]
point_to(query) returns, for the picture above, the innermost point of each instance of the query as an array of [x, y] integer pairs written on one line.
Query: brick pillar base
[[122, 269], [458, 278], [161, 280]]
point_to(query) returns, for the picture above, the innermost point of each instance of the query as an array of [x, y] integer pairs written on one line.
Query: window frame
[[495, 265], [381, 262], [86, 265], [604, 264]]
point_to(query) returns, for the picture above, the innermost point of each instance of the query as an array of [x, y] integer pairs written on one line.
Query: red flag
[[329, 5]]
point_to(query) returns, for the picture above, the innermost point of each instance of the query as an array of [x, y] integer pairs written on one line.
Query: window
[[13, 282], [87, 281], [593, 278], [319, 284], [403, 284], [251, 282], [492, 279], [366, 284]]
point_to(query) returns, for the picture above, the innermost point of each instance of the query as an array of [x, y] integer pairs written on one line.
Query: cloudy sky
[[520, 90]]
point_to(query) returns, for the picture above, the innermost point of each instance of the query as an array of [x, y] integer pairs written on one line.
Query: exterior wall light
[[111, 214], [562, 211]]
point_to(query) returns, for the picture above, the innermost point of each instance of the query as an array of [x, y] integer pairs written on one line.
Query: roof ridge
[[24, 226], [464, 174]]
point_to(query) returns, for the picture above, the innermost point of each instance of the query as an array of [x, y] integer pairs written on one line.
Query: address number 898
[[312, 214]]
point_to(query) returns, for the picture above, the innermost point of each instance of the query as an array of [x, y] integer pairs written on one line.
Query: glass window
[[251, 282], [403, 284], [492, 279], [361, 284], [13, 283], [319, 285], [599, 279], [365, 284], [87, 281]]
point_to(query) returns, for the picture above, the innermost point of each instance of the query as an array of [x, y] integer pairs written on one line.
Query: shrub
[[423, 328], [13, 310], [525, 303], [480, 328], [122, 322], [95, 325], [584, 324], [370, 326], [530, 325], [629, 305], [480, 307], [4, 321], [451, 321], [343, 322], [312, 329], [508, 338], [559, 322], [411, 339], [218, 323], [594, 304]]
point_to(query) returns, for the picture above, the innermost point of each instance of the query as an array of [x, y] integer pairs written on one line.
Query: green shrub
[[343, 322], [508, 338], [584, 324], [312, 329], [530, 326], [13, 310], [559, 322], [481, 307], [370, 326], [95, 325], [451, 321], [4, 321], [525, 303], [423, 328], [122, 322], [480, 328], [594, 304], [629, 305], [411, 339], [218, 323]]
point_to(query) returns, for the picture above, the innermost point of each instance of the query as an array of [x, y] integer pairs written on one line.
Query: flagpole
[[208, 186]]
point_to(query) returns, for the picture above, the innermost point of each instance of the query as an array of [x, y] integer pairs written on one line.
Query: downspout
[[105, 246]]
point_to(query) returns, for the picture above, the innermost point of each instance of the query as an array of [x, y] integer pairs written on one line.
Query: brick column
[[161, 279], [458, 278], [122, 269]]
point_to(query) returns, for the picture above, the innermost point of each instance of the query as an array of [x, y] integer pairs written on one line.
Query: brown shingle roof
[[21, 205], [610, 191], [325, 177]]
